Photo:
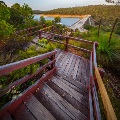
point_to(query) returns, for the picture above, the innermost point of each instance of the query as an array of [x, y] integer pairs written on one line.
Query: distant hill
[[106, 12], [37, 12]]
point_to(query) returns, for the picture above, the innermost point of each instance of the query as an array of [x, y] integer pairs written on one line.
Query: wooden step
[[71, 96], [6, 116], [58, 106], [79, 97], [72, 86], [23, 113], [74, 67], [32, 109], [73, 82]]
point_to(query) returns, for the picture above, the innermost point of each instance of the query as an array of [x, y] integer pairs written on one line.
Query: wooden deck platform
[[63, 97]]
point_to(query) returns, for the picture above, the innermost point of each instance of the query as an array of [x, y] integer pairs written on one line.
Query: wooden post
[[67, 41], [99, 28], [112, 30], [52, 58], [44, 25], [52, 28], [40, 33], [29, 30]]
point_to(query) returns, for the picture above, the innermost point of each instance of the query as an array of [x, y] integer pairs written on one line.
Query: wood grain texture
[[78, 105], [37, 109], [72, 86], [79, 97], [22, 113], [105, 98], [6, 117], [72, 81], [63, 104]]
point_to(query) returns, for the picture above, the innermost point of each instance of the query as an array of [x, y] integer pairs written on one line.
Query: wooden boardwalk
[[63, 97]]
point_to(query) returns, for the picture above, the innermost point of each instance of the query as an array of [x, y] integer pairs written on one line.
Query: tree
[[3, 3], [20, 15], [42, 20], [57, 19], [5, 30], [117, 2], [4, 11], [26, 12]]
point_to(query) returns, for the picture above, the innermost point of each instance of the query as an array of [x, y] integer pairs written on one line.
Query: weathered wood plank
[[79, 97], [72, 86], [5, 69], [6, 117], [59, 55], [22, 113], [52, 106], [37, 109], [58, 52], [68, 65], [76, 67], [72, 66], [81, 74], [64, 63], [63, 104], [84, 77], [69, 99], [63, 60], [74, 82], [91, 117], [59, 61]]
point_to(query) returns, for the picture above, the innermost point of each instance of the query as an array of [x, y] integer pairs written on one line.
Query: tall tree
[[42, 20], [57, 19], [117, 2]]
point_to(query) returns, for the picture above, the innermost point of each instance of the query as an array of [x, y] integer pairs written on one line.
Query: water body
[[64, 21]]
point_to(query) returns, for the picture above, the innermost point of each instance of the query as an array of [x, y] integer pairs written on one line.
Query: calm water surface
[[64, 21]]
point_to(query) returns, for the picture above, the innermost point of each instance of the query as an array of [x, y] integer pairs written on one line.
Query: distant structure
[[80, 24]]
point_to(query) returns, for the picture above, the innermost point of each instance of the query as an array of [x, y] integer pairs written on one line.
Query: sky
[[53, 4]]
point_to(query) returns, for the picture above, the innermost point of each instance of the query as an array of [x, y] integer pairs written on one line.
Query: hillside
[[37, 12], [106, 12]]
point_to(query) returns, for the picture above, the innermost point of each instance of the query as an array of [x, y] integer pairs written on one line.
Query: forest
[[106, 12]]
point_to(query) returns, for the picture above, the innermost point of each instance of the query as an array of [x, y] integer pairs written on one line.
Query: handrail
[[50, 35], [72, 38], [69, 45], [24, 79], [94, 92], [5, 69], [105, 98]]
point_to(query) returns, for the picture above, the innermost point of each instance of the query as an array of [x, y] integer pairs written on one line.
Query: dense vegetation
[[107, 12], [37, 12]]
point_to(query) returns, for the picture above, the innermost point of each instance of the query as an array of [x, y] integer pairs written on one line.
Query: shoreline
[[64, 16]]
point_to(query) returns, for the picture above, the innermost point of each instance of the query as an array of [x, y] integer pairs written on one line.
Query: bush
[[88, 27]]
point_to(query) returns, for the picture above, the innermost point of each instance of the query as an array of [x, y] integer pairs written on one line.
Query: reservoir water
[[64, 21]]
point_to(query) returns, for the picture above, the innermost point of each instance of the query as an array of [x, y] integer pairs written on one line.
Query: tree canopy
[[57, 19]]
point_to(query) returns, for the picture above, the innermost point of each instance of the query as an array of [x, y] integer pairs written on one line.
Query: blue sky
[[52, 4]]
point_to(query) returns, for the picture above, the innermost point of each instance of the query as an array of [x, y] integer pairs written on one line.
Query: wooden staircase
[[66, 91], [64, 96]]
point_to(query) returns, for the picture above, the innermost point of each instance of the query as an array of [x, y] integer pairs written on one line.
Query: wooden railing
[[67, 38], [5, 69], [106, 101], [92, 88], [33, 30], [96, 110], [105, 98]]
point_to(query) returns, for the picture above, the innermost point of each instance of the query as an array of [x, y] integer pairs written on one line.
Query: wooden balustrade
[[92, 89], [106, 101], [5, 69], [96, 109], [105, 98], [66, 43]]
